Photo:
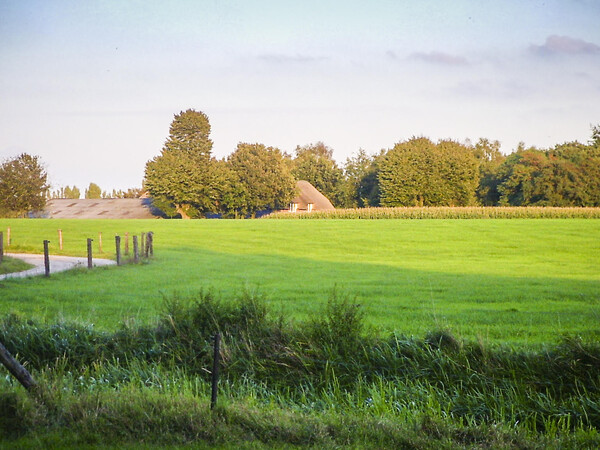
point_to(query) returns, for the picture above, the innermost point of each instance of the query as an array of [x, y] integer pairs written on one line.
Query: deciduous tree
[[567, 175], [23, 185], [93, 191], [72, 192], [263, 177], [420, 173], [489, 158], [181, 179], [361, 184]]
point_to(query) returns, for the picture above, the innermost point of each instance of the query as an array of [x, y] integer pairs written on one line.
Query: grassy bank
[[326, 382], [10, 265], [519, 281]]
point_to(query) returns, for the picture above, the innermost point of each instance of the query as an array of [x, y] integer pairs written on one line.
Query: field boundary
[[446, 212]]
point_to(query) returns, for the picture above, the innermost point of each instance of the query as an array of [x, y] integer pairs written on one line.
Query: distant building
[[309, 199], [101, 208]]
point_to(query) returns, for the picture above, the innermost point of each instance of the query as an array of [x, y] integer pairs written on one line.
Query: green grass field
[[517, 281], [10, 265]]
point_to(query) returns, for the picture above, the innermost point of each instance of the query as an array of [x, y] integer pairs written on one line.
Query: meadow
[[361, 333], [516, 281]]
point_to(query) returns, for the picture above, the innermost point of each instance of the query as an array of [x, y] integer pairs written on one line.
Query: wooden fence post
[[142, 242], [151, 243], [100, 242], [118, 246], [215, 371], [127, 243], [46, 259], [89, 252], [16, 369], [60, 242], [148, 243], [136, 252], [8, 237]]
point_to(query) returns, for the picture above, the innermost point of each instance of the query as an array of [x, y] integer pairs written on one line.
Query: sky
[[92, 86]]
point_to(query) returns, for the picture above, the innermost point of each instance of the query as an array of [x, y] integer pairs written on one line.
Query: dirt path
[[57, 264]]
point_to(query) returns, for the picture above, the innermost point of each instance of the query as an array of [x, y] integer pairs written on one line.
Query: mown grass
[[10, 265], [326, 382], [447, 212], [519, 281]]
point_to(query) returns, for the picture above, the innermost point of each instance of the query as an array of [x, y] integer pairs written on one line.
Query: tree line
[[93, 191], [186, 180]]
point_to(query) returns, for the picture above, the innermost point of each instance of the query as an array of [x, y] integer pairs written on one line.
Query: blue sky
[[92, 86]]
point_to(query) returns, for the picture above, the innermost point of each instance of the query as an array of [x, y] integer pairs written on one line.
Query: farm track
[[57, 264]]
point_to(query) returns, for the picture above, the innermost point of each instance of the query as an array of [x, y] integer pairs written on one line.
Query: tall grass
[[324, 369], [447, 212]]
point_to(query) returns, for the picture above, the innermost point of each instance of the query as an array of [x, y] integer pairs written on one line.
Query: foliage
[[296, 383], [490, 159], [595, 139], [129, 193], [23, 185], [66, 192], [262, 177], [181, 179], [420, 173], [72, 192], [567, 175], [232, 191], [361, 184], [93, 191], [315, 164]]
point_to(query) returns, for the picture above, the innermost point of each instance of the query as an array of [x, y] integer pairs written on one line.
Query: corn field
[[447, 212]]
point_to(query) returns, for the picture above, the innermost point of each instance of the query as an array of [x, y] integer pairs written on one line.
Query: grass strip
[[11, 265]]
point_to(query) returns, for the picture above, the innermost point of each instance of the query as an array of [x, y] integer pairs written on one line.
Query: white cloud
[[278, 58], [556, 45], [440, 58]]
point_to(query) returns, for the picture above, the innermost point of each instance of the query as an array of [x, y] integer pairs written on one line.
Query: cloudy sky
[[92, 86]]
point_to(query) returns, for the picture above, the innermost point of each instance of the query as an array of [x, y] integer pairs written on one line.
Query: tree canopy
[[93, 191], [186, 180], [181, 179], [361, 186], [418, 172], [23, 185], [263, 177], [567, 175]]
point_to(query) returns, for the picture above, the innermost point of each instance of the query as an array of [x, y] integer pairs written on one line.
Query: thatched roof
[[307, 193], [103, 208]]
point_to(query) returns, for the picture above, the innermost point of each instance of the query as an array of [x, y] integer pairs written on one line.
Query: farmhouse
[[309, 199]]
